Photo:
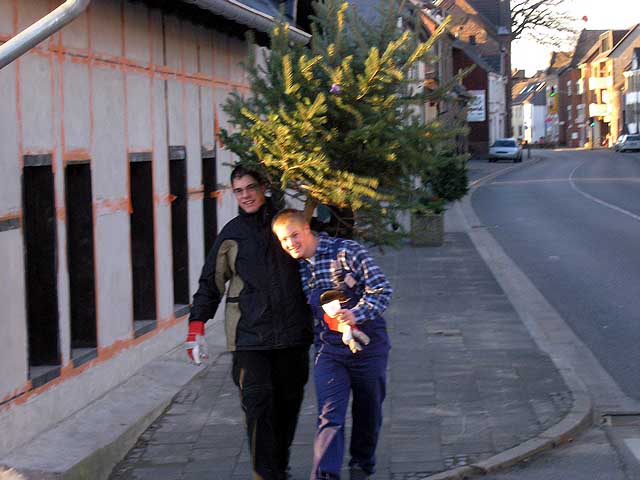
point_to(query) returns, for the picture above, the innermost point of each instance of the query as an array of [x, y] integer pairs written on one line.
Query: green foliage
[[337, 122]]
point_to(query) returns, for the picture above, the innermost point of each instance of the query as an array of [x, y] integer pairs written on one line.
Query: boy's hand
[[346, 316]]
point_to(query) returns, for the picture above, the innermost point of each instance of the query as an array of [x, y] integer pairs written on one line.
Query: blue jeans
[[337, 374]]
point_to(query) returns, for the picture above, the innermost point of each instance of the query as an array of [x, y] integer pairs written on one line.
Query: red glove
[[196, 345]]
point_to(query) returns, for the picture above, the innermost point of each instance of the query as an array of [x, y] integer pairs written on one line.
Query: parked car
[[627, 143], [505, 149]]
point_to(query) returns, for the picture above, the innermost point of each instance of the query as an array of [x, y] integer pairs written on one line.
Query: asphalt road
[[571, 222]]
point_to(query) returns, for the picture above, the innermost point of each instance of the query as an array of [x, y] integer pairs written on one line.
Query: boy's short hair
[[289, 215], [241, 171]]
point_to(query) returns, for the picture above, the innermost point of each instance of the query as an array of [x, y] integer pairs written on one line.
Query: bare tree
[[546, 21]]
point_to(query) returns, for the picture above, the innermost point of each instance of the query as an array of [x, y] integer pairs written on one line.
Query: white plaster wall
[[139, 111], [76, 34], [164, 265], [173, 43], [110, 182], [77, 105], [6, 17], [10, 193], [27, 420], [30, 12], [205, 56], [136, 28], [106, 28], [221, 56], [113, 265], [227, 206], [194, 182], [36, 103], [109, 152], [64, 313], [13, 341], [539, 115], [157, 41], [189, 44], [207, 119], [238, 56], [164, 259], [175, 112], [190, 113]]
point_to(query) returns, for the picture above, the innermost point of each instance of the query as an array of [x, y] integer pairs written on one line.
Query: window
[[39, 228], [579, 86], [179, 224], [80, 258], [142, 242], [569, 88], [580, 113], [569, 113], [210, 201]]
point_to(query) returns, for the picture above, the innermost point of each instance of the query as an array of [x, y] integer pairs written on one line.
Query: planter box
[[427, 230]]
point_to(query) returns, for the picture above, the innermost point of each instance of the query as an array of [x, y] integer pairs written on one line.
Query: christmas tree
[[335, 124]]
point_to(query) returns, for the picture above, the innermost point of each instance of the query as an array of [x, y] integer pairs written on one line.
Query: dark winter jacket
[[265, 305]]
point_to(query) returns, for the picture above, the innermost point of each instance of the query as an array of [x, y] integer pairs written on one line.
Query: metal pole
[[43, 28]]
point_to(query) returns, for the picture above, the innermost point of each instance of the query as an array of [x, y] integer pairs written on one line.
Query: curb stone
[[577, 420]]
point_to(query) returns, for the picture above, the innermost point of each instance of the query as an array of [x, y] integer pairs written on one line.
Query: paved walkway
[[466, 382]]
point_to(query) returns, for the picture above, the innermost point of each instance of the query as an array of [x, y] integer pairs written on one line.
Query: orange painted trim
[[12, 215], [163, 199], [24, 393], [86, 56], [15, 393], [61, 213], [76, 155], [108, 206]]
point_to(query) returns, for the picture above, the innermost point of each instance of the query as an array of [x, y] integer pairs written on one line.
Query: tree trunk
[[309, 206]]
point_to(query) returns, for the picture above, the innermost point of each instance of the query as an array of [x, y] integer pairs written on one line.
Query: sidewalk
[[468, 389]]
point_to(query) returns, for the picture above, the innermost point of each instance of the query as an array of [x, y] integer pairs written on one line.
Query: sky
[[618, 14]]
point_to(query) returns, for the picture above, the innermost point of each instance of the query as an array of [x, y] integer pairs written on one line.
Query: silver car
[[505, 149], [627, 143]]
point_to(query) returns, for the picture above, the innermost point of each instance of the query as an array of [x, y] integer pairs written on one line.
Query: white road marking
[[564, 180], [633, 444], [597, 200]]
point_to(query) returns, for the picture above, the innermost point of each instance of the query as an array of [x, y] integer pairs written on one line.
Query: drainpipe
[[43, 28]]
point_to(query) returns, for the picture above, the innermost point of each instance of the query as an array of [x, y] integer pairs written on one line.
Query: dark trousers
[[336, 375], [271, 386]]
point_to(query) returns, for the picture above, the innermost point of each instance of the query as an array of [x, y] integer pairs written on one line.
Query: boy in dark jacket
[[268, 323]]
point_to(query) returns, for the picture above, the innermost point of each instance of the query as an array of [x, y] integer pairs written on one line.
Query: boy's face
[[249, 193], [296, 239]]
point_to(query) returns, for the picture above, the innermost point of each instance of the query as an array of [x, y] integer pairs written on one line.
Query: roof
[[495, 11], [531, 90], [619, 42], [558, 61], [586, 40], [255, 14]]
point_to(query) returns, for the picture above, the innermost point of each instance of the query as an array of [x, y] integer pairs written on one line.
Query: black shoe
[[286, 475], [357, 473]]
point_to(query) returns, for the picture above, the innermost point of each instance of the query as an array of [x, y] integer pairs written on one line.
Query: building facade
[[482, 31], [632, 95], [529, 109], [112, 188], [603, 72]]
